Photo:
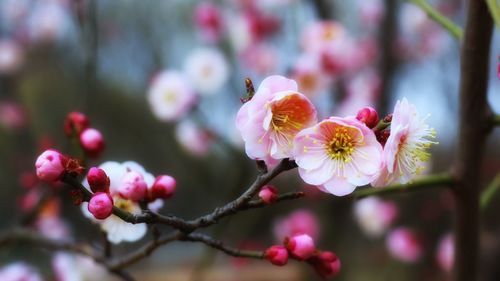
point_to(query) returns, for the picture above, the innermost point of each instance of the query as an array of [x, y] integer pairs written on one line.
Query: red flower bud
[[301, 246], [50, 165], [75, 122], [369, 116], [163, 187], [268, 194], [326, 264], [98, 180], [277, 255]]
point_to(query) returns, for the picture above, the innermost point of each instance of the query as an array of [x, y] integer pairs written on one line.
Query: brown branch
[[474, 123], [189, 226], [219, 245], [283, 197]]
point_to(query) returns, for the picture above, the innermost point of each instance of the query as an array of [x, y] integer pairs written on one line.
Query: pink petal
[[339, 187]]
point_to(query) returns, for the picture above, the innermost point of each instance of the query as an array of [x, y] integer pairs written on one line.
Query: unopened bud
[[98, 180], [92, 142], [268, 194], [369, 116], [277, 255], [101, 205]]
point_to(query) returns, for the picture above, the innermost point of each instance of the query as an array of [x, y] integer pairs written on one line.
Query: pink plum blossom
[[407, 145], [207, 69], [362, 90], [50, 165], [277, 255], [301, 246], [12, 114], [375, 215], [170, 95], [260, 58], [445, 253], [101, 205], [271, 119], [337, 155], [404, 245], [19, 271], [301, 221]]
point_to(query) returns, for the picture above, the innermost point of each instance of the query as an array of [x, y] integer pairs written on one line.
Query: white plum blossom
[[170, 95], [69, 267], [118, 230], [207, 69]]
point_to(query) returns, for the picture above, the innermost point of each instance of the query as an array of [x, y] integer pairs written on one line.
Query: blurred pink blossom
[[404, 245], [375, 216], [260, 58], [301, 221], [193, 138], [12, 115], [445, 253], [209, 21], [11, 56]]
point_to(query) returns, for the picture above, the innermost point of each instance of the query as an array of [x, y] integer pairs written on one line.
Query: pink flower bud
[[301, 246], [49, 165], [133, 186], [101, 205], [369, 116], [326, 264], [208, 19], [163, 187], [92, 142], [98, 180], [277, 255], [268, 194], [75, 122]]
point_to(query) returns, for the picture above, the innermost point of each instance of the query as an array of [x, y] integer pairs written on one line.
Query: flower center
[[170, 96], [341, 146], [123, 204]]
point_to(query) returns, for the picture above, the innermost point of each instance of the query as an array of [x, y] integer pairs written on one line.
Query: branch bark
[[473, 128]]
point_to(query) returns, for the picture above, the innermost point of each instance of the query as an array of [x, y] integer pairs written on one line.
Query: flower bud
[[49, 165], [75, 122], [163, 187], [98, 180], [133, 186], [301, 246], [369, 116], [268, 194], [92, 142], [101, 205], [277, 255], [326, 264]]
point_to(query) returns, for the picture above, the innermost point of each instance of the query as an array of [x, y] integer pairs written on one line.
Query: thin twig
[[431, 181], [219, 245], [489, 193], [494, 11], [442, 20]]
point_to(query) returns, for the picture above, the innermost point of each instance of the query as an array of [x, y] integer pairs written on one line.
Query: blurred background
[[109, 59]]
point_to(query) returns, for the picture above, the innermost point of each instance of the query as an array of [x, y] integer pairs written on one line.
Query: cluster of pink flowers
[[302, 248], [336, 154]]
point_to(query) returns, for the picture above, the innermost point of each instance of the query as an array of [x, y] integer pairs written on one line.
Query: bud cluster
[[91, 140], [302, 248]]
